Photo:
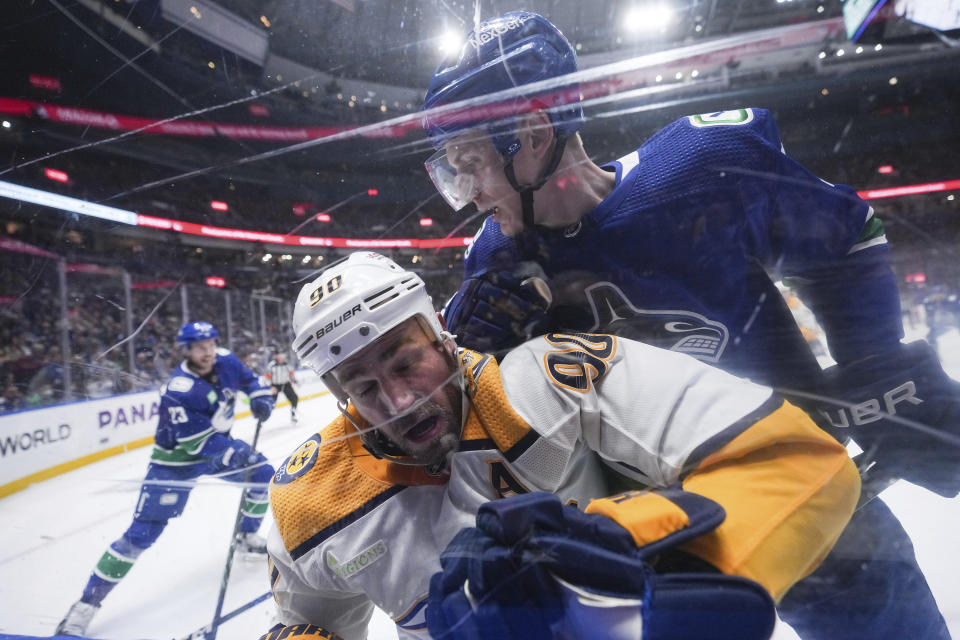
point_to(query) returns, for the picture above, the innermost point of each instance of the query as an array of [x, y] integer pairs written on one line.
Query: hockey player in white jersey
[[472, 499], [192, 439]]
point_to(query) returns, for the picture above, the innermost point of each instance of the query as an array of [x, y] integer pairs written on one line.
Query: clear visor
[[456, 168]]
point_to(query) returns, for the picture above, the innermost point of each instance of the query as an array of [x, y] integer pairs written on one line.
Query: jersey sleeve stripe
[[314, 540], [721, 439], [408, 617], [194, 443], [521, 446]]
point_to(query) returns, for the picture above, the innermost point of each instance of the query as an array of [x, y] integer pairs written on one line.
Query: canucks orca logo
[[683, 331], [299, 462]]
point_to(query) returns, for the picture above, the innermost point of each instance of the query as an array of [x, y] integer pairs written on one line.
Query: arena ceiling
[[333, 63]]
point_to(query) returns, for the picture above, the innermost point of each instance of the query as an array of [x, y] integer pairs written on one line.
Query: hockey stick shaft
[[212, 633]]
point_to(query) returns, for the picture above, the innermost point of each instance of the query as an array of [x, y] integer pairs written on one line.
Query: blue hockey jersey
[[196, 412], [681, 253]]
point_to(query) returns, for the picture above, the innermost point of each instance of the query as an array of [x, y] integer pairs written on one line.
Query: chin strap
[[526, 191]]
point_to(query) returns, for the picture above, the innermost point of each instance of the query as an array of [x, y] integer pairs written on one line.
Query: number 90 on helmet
[[352, 303]]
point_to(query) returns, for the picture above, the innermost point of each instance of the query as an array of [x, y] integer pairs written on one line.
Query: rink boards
[[37, 444]]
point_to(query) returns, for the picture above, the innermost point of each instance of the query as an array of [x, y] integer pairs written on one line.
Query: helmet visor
[[457, 169]]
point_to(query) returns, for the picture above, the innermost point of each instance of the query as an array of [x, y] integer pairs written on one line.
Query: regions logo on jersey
[[676, 330], [300, 462], [358, 563]]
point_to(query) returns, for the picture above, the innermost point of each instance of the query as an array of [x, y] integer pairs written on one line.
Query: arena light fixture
[[214, 281], [322, 217], [219, 205], [652, 17], [449, 41], [885, 169], [426, 222]]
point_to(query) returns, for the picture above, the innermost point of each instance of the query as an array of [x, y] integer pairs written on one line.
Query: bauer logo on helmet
[[330, 326]]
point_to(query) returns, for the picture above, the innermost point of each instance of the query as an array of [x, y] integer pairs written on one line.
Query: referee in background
[[281, 377]]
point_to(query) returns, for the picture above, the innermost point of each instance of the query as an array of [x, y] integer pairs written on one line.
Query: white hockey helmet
[[352, 303]]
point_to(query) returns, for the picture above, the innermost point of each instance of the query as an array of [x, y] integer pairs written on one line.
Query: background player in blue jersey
[[192, 439], [677, 244]]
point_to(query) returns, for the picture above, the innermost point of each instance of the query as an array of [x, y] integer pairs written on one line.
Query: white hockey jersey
[[572, 414]]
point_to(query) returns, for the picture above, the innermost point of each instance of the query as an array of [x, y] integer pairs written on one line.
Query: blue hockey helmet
[[195, 332], [511, 50]]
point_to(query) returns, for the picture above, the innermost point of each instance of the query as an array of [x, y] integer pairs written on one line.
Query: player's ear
[[538, 130]]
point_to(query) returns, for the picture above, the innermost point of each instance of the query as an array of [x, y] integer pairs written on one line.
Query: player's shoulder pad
[[490, 249], [719, 125], [331, 480], [179, 384], [299, 462], [225, 357]]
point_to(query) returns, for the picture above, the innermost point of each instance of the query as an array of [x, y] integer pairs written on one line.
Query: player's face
[[405, 385], [479, 170], [201, 355]]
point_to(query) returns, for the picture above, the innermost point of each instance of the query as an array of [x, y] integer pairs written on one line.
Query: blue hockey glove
[[903, 410], [500, 309], [513, 576], [240, 455], [261, 407]]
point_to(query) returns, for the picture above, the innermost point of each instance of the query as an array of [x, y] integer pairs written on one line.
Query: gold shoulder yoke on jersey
[[337, 482], [491, 415]]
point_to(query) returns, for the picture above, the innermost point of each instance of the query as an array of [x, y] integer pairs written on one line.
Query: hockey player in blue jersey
[[192, 439], [675, 244]]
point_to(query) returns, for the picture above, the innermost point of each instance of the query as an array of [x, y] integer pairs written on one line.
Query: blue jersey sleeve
[[247, 381], [825, 239], [785, 218]]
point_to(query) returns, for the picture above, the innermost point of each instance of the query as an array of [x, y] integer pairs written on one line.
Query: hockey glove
[[498, 310], [533, 568], [261, 406], [240, 455], [903, 410]]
